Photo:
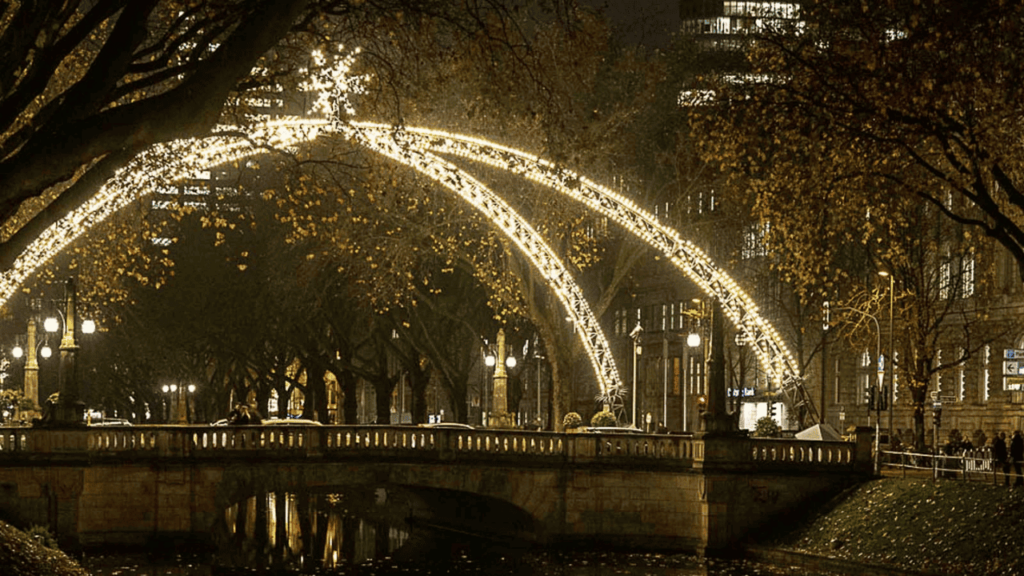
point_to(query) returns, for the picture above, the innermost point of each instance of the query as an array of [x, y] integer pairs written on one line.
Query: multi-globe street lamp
[[179, 407], [70, 409]]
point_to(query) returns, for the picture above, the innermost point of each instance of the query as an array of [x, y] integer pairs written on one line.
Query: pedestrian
[[235, 413], [243, 417], [1017, 454], [255, 418], [1000, 458]]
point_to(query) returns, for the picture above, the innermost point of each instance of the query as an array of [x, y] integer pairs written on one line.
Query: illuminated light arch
[[142, 177], [736, 304]]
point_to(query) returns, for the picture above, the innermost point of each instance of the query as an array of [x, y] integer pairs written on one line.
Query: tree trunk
[[347, 382], [383, 386], [918, 393], [419, 381]]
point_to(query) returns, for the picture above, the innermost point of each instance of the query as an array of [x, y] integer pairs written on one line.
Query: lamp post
[[875, 405], [175, 415], [635, 335], [892, 355], [485, 400], [875, 401], [70, 410], [693, 340]]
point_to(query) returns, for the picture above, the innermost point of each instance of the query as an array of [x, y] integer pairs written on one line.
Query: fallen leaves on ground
[[945, 526], [21, 555]]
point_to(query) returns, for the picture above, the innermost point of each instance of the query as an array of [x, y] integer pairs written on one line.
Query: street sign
[[1014, 367], [1013, 354]]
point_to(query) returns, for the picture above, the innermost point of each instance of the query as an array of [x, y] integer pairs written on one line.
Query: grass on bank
[[944, 527], [22, 554]]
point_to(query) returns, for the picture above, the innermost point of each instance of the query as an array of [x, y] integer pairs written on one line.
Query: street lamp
[[693, 340], [635, 335], [178, 407], [875, 401], [892, 354], [485, 401], [70, 407]]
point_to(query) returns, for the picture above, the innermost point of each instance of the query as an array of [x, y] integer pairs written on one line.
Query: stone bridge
[[131, 485]]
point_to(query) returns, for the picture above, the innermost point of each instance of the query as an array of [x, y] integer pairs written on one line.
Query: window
[[986, 355], [677, 367], [958, 385], [895, 377], [754, 244], [864, 378], [956, 276]]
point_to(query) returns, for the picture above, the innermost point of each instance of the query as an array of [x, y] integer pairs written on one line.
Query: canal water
[[373, 532]]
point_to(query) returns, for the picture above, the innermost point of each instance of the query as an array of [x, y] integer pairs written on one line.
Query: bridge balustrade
[[410, 442], [767, 452], [669, 448]]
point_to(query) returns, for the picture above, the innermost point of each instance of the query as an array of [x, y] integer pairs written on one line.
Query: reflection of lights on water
[[281, 514]]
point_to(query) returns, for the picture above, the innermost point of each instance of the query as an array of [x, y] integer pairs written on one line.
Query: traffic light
[[702, 403], [937, 415], [883, 398], [870, 397]]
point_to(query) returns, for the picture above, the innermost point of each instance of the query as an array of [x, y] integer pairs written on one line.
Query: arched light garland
[[172, 162], [523, 235], [151, 171], [736, 304]]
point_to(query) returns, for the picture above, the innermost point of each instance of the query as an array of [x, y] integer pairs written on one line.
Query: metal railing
[[976, 465]]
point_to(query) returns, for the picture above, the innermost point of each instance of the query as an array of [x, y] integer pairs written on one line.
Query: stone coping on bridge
[[412, 443]]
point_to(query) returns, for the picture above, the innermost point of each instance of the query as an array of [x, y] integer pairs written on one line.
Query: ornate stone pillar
[[31, 385]]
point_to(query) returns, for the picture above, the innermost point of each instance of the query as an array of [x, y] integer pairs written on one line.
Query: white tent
[[819, 432]]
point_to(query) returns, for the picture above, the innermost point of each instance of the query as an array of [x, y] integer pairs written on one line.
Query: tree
[[90, 84], [858, 148], [858, 102]]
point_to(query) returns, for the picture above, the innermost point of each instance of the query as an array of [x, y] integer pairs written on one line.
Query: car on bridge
[[291, 422], [109, 422], [613, 430], [449, 425]]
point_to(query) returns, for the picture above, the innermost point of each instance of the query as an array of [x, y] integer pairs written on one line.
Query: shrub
[[572, 420], [603, 418], [766, 427], [42, 536]]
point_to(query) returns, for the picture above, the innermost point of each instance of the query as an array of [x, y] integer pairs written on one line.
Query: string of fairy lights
[[524, 236], [690, 259], [165, 165]]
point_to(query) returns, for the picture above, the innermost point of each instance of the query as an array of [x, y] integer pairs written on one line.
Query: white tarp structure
[[819, 432]]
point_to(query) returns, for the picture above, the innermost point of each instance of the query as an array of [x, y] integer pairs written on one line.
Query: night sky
[[650, 22]]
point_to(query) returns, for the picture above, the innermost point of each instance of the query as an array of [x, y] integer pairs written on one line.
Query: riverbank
[[917, 525], [23, 555]]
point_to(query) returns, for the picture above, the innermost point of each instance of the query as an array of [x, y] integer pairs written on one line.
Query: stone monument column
[[500, 416], [31, 385]]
